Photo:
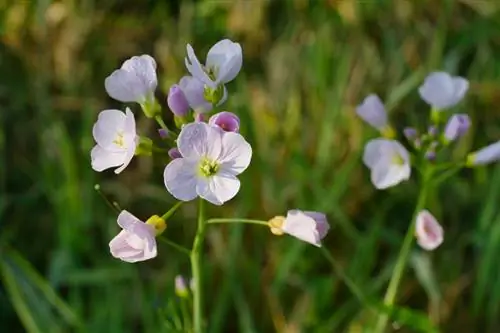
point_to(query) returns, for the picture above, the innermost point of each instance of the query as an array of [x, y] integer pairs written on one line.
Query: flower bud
[[177, 101], [457, 126], [228, 121], [174, 153], [276, 224], [181, 289], [410, 133], [432, 131]]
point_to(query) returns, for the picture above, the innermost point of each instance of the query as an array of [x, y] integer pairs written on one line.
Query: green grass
[[306, 65]]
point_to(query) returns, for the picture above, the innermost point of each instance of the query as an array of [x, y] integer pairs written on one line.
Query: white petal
[[219, 188], [194, 67], [126, 220], [120, 247], [488, 154], [180, 179], [428, 231], [461, 87], [129, 130], [236, 153], [227, 57], [193, 89], [441, 90], [372, 111], [104, 159], [386, 175], [129, 155], [301, 226], [200, 140], [377, 149], [106, 128]]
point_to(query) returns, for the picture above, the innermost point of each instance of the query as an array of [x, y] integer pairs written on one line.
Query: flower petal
[[129, 130], [375, 150], [219, 188], [194, 67], [236, 153], [180, 179], [372, 111], [428, 231], [227, 57], [385, 175], [193, 90], [109, 123], [200, 140], [441, 90], [103, 159], [488, 154], [129, 155], [301, 226]]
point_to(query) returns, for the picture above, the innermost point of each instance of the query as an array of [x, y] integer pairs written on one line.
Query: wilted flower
[[177, 101], [389, 162], [228, 121], [485, 155], [223, 63], [307, 226], [136, 242], [373, 112], [441, 90], [135, 81], [428, 231], [457, 126], [194, 91], [116, 140], [174, 153], [211, 160]]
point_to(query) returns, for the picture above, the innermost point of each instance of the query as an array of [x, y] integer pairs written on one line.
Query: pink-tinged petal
[[322, 225], [219, 188], [103, 159], [194, 91], [129, 155], [200, 140], [109, 123], [131, 247], [126, 220], [194, 67], [180, 177], [301, 226], [372, 111], [227, 121], [236, 153], [428, 231]]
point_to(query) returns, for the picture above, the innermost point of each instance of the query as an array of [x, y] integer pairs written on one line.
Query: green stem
[[176, 246], [397, 273], [160, 122], [171, 211], [259, 222], [197, 271]]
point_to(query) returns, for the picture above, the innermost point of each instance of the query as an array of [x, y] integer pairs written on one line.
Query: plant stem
[[397, 273], [160, 122], [176, 246], [197, 271], [171, 211], [259, 222]]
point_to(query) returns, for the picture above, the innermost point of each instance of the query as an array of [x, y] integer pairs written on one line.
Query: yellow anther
[[276, 224], [119, 141]]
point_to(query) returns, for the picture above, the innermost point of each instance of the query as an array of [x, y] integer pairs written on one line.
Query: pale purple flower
[[116, 138], [428, 231], [181, 289], [457, 126], [177, 101], [389, 162], [441, 90], [211, 160], [307, 226], [135, 81], [174, 153], [430, 155], [372, 111], [136, 242], [223, 63], [410, 133], [163, 133], [228, 121], [488, 154], [194, 91]]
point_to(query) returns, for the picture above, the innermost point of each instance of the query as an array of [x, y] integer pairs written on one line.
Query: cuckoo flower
[[211, 160], [177, 101], [228, 121], [485, 155], [136, 242], [441, 90], [456, 127], [135, 81], [223, 63], [116, 140], [389, 162], [372, 111], [193, 90], [428, 231], [310, 227]]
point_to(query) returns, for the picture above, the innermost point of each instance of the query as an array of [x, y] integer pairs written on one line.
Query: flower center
[[119, 140], [211, 72], [397, 159], [208, 167]]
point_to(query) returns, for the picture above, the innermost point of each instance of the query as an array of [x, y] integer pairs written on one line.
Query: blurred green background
[[306, 66]]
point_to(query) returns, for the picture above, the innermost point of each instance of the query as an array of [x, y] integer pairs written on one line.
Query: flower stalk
[[197, 270]]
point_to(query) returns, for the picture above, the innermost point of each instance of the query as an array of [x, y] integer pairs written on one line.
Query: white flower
[[223, 63], [373, 112], [441, 90], [310, 227], [389, 162], [193, 90], [488, 154], [116, 140], [136, 242], [428, 231], [135, 81], [211, 160]]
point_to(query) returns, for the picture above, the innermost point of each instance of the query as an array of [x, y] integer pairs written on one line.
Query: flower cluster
[[206, 149], [390, 162]]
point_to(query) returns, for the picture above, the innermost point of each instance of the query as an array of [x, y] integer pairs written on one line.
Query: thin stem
[[397, 273], [197, 271], [160, 122], [259, 222], [171, 211], [176, 246]]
